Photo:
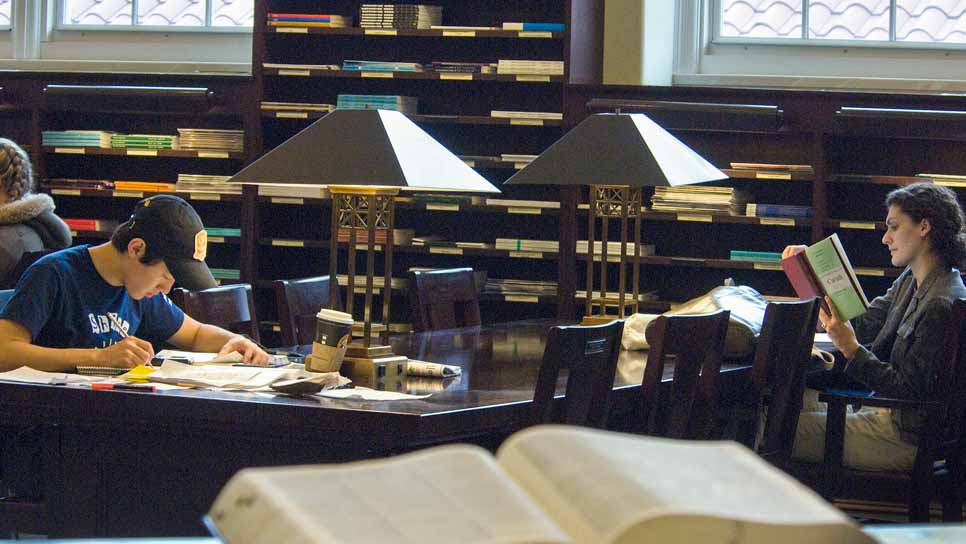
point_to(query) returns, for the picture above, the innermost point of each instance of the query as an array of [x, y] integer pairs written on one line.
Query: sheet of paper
[[25, 374], [362, 393], [235, 377], [200, 357]]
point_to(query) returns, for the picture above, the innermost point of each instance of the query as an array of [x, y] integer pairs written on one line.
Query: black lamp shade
[[618, 149], [365, 148]]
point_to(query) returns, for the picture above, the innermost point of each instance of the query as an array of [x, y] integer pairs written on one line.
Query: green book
[[824, 269]]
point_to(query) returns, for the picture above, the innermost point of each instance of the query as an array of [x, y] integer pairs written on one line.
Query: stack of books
[[463, 67], [435, 198], [74, 183], [150, 186], [517, 158], [229, 232], [496, 286], [777, 210], [400, 16], [530, 67], [212, 139], [699, 199], [404, 104], [225, 273], [535, 27], [519, 203], [296, 106], [300, 67], [400, 237], [144, 141], [775, 168], [755, 256], [504, 114], [286, 190], [518, 244], [613, 248], [203, 183], [77, 138], [380, 66], [309, 19]]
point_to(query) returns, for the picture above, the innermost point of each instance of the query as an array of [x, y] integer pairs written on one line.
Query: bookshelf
[[304, 65]]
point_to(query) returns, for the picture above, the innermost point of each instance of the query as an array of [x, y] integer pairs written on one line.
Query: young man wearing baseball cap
[[106, 305]]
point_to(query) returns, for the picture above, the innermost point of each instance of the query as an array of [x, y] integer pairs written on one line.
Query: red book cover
[[802, 278], [301, 15], [81, 224]]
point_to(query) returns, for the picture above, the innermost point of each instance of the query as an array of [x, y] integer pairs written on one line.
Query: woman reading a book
[[27, 220], [895, 347]]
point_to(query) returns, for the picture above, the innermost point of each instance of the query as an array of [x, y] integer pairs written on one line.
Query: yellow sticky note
[[139, 373]]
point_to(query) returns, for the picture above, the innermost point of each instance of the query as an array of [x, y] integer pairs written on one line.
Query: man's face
[[148, 280]]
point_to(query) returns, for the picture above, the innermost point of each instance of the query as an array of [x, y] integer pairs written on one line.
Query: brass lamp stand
[[609, 202], [369, 209]]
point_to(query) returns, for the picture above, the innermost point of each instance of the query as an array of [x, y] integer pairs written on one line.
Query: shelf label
[[66, 192], [525, 255], [694, 218], [446, 250], [128, 194], [380, 32], [521, 298], [204, 196], [442, 207], [302, 73], [525, 211], [767, 266], [783, 221], [212, 155], [773, 175], [520, 165], [456, 76], [527, 122], [362, 290], [292, 114], [471, 164], [864, 225], [288, 243], [292, 30], [216, 239], [532, 34], [142, 152], [870, 272], [283, 200], [459, 33], [70, 150], [533, 78], [73, 233], [379, 75], [365, 247]]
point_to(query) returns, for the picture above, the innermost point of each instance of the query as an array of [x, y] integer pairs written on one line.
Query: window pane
[[848, 19], [232, 12], [171, 12], [761, 18], [4, 12], [97, 12], [933, 21]]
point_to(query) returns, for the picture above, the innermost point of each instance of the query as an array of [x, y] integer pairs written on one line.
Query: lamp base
[[373, 366]]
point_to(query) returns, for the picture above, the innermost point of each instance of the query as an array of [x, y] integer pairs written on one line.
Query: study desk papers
[[364, 393], [238, 377], [25, 374]]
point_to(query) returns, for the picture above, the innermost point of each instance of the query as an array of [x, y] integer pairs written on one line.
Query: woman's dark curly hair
[[940, 206]]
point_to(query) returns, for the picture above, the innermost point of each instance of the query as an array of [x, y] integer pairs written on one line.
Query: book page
[[835, 273], [612, 487], [444, 494]]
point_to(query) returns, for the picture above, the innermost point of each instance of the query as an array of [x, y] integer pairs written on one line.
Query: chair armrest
[[851, 397]]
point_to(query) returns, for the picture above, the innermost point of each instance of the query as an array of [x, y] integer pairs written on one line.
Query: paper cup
[[333, 332]]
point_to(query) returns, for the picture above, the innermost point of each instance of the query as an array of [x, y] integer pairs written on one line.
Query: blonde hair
[[16, 173]]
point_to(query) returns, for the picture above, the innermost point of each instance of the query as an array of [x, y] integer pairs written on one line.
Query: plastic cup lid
[[335, 316]]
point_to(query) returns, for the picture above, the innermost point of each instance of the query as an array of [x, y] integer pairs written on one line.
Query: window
[[4, 14], [152, 14], [815, 21]]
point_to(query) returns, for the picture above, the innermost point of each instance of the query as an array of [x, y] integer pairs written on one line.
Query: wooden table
[[123, 463]]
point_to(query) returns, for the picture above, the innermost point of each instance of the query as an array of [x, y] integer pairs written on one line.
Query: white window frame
[[700, 59], [39, 45]]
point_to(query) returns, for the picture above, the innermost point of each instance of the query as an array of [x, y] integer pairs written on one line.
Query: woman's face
[[906, 239]]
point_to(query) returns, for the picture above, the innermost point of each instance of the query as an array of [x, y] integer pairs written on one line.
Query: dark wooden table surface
[[122, 463]]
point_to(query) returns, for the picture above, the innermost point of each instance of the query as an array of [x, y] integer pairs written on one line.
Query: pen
[[124, 387]]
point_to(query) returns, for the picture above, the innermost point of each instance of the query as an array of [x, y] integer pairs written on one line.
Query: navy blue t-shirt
[[64, 303]]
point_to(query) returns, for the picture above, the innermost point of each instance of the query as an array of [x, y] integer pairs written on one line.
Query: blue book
[[536, 27], [778, 210]]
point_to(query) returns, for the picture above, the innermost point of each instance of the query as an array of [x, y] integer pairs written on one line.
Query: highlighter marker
[[124, 387]]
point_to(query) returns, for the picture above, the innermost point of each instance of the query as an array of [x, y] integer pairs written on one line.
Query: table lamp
[[364, 158], [616, 155]]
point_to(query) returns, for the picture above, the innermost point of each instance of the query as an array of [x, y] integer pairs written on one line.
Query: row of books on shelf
[[187, 139], [395, 16], [502, 66], [192, 183]]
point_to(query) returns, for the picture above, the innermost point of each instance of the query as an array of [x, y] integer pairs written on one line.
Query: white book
[[545, 484]]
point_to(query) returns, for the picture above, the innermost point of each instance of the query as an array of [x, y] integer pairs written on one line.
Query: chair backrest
[[26, 259], [228, 306], [590, 355], [443, 299], [5, 295], [298, 303], [951, 375], [781, 357], [696, 343]]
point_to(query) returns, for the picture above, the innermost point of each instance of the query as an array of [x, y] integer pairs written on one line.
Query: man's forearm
[[210, 338], [16, 354]]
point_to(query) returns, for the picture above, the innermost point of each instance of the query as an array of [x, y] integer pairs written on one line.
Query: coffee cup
[[333, 332]]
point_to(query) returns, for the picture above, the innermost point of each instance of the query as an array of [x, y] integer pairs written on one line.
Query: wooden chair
[[696, 343], [298, 303], [942, 443], [590, 354], [778, 374], [228, 306], [443, 299]]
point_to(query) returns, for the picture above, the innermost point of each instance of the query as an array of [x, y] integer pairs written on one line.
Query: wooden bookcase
[[292, 233]]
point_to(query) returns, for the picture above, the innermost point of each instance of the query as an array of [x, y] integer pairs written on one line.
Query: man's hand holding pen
[[129, 352]]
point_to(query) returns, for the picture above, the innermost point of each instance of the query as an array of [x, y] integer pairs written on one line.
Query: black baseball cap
[[173, 231]]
